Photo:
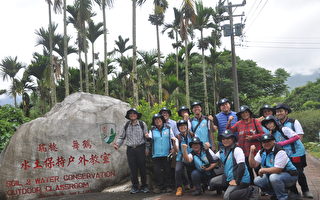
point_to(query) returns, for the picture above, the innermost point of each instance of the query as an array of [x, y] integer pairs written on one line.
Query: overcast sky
[[278, 33]]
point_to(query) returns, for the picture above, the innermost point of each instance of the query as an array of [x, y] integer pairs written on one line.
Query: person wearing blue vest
[[166, 113], [277, 173], [184, 137], [265, 111], [221, 119], [161, 136], [282, 111], [202, 126], [236, 177], [203, 161], [184, 113]]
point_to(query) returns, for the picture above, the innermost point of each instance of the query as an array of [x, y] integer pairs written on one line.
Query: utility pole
[[233, 52]]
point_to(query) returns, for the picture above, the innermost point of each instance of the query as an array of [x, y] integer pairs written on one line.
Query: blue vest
[[223, 119], [184, 140], [230, 167], [199, 163], [202, 131], [299, 148], [267, 161], [288, 123], [265, 130], [161, 142]]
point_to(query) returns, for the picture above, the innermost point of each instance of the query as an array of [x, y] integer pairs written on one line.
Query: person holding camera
[[161, 136], [204, 162], [277, 173]]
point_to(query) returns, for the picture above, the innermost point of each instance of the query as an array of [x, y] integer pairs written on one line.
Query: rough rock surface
[[68, 151]]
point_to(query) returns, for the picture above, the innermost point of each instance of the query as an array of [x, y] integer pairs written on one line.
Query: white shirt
[[298, 127], [288, 132], [280, 161], [237, 154]]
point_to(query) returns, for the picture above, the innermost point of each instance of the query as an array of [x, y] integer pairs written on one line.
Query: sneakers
[[145, 190], [179, 191], [308, 195], [134, 190]]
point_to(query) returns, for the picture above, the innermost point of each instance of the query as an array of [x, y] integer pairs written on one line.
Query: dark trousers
[[200, 178], [161, 168], [137, 162], [302, 180]]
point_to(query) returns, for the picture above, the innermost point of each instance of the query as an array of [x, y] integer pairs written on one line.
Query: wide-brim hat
[[223, 101], [267, 107], [284, 106], [196, 103], [243, 109], [155, 116], [228, 134], [195, 140], [269, 119], [182, 108], [182, 122], [266, 137], [165, 109], [135, 111]]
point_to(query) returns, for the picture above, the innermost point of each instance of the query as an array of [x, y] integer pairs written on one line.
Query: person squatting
[[253, 156]]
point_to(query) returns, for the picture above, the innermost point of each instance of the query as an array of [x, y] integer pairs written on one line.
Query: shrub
[[310, 122]]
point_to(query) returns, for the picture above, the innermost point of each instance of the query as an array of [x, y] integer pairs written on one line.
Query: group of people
[[264, 152]]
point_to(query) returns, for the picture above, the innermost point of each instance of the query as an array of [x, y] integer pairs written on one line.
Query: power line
[[278, 47], [248, 27]]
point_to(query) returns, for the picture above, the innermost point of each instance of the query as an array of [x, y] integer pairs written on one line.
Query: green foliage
[[298, 97], [10, 119], [148, 111], [256, 103], [309, 120], [313, 148]]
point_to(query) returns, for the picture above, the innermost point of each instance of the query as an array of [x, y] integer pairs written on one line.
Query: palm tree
[[94, 31], [8, 70], [134, 52], [52, 81], [84, 14], [156, 19], [203, 22], [173, 34], [103, 4], [188, 18], [147, 72], [121, 47]]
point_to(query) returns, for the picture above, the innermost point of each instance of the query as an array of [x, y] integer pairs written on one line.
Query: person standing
[[184, 113], [161, 137], [265, 111], [134, 133], [282, 111], [166, 113], [277, 171], [202, 126], [184, 137], [221, 119], [249, 131]]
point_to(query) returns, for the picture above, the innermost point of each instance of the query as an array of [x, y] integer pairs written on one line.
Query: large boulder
[[68, 151]]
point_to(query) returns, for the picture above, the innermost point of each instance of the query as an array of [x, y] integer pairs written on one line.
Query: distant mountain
[[299, 80], [5, 99]]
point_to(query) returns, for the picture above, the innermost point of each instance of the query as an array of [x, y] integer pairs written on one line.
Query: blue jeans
[[276, 184]]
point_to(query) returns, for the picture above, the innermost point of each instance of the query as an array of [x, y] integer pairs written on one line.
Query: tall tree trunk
[[134, 56], [93, 73], [159, 66], [187, 73], [86, 69], [65, 50], [177, 67], [14, 94], [206, 105], [52, 82], [80, 63], [106, 70]]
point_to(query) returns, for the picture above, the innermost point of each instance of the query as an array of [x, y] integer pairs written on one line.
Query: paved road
[[312, 172]]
